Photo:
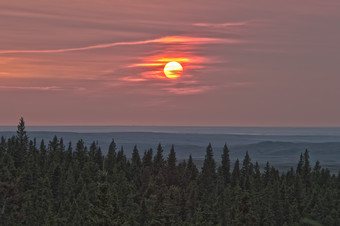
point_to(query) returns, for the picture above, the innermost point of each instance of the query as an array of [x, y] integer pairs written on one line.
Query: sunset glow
[[173, 70], [82, 55]]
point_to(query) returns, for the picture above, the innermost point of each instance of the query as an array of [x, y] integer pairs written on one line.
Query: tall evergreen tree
[[171, 172], [299, 168], [98, 158], [136, 166], [81, 153], [246, 172], [22, 144], [110, 160], [191, 170], [306, 170], [22, 135], [235, 176], [224, 169], [208, 175], [158, 162]]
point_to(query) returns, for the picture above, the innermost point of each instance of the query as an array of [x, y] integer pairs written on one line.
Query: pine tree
[[299, 168], [171, 172], [224, 169], [98, 158], [191, 170], [147, 158], [22, 135], [158, 162], [246, 172], [136, 163], [81, 153], [235, 176], [122, 163], [267, 174], [208, 175], [92, 151], [306, 170], [111, 158], [208, 186], [22, 144]]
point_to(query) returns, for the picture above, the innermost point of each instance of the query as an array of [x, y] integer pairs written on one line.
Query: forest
[[54, 183]]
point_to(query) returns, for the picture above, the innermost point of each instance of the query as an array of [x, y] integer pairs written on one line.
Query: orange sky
[[101, 62]]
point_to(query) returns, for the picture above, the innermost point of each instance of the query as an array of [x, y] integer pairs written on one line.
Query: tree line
[[52, 184]]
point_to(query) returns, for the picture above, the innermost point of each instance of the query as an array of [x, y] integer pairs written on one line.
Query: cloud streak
[[163, 40], [43, 88], [228, 24], [187, 90]]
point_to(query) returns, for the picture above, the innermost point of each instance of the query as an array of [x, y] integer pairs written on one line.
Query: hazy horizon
[[286, 131]]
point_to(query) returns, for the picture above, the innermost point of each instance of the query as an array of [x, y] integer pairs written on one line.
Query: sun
[[173, 70]]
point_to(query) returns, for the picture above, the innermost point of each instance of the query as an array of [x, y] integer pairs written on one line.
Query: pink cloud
[[43, 88], [164, 40], [132, 79], [186, 90], [228, 24]]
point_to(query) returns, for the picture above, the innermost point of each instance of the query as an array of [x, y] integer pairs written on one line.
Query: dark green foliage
[[55, 185], [244, 212], [21, 145], [235, 176], [158, 162], [207, 182], [224, 169], [171, 171], [111, 158]]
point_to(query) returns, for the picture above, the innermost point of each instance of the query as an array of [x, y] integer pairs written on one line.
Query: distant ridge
[[319, 131]]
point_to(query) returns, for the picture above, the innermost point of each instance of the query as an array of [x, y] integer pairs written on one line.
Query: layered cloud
[[103, 61], [163, 40]]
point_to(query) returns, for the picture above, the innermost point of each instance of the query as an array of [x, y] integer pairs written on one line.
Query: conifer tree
[[306, 170], [98, 158], [22, 135], [136, 166], [235, 176], [110, 160], [191, 170], [171, 172], [81, 153], [92, 151], [246, 171], [224, 169], [299, 168], [158, 162], [208, 175], [22, 144], [208, 186], [147, 158]]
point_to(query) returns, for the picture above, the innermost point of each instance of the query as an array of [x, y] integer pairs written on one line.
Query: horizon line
[[203, 126]]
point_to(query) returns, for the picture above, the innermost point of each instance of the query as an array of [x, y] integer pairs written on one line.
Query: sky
[[245, 63]]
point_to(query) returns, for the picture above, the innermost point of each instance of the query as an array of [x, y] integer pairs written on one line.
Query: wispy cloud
[[165, 40], [187, 90], [43, 88], [132, 79], [227, 24]]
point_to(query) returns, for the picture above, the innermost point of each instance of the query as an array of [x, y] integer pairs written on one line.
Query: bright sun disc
[[173, 70]]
